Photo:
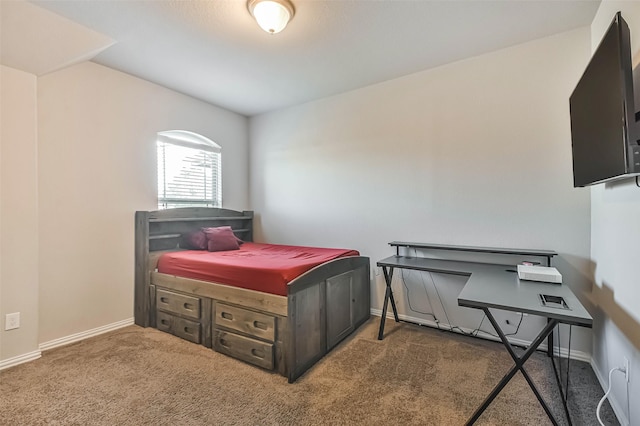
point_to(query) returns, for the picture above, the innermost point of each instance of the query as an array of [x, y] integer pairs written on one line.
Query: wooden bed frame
[[287, 334]]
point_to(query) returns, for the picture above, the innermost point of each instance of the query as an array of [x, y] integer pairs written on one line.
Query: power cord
[[473, 333], [409, 299], [451, 326], [621, 369], [435, 318], [518, 326]]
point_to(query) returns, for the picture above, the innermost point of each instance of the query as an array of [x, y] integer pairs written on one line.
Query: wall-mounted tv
[[604, 135]]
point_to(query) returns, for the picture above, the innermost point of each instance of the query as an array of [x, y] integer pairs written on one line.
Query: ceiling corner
[[37, 41]]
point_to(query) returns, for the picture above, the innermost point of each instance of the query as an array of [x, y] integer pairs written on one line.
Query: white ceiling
[[214, 51]]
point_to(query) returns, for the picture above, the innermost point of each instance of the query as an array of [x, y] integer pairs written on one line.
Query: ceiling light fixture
[[271, 15]]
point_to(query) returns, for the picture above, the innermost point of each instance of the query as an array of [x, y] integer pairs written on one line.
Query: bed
[[274, 314]]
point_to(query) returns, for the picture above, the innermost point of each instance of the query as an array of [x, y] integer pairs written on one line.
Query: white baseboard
[[55, 343], [615, 405], [20, 359], [577, 355]]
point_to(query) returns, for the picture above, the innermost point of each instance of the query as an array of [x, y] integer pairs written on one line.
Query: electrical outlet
[[626, 369], [12, 321]]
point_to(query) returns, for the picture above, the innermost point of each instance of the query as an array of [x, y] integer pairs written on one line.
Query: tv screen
[[603, 125]]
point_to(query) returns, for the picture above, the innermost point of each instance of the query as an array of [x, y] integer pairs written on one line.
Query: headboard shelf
[[199, 219], [162, 229]]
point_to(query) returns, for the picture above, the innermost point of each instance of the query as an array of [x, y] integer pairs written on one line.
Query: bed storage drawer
[[188, 330], [180, 304], [249, 322], [244, 348]]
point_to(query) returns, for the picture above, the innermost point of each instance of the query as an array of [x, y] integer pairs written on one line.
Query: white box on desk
[[547, 274]]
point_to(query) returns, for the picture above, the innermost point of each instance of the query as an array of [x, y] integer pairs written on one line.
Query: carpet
[[415, 376]]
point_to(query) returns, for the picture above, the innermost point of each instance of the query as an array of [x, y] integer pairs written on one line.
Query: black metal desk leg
[[388, 295], [550, 338], [550, 343], [388, 277], [519, 362], [557, 372]]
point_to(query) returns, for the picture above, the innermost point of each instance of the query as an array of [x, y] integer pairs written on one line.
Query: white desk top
[[495, 286]]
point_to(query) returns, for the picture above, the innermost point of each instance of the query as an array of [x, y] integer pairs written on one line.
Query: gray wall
[[476, 152], [18, 213], [615, 233], [96, 166]]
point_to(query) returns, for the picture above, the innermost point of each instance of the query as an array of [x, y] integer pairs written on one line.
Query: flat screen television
[[603, 125]]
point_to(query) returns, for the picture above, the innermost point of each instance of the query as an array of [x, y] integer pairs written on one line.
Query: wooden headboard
[[162, 230]]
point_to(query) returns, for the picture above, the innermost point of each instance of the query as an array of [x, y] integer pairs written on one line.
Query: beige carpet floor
[[415, 376]]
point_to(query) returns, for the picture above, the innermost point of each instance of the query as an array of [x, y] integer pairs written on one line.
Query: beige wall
[[615, 231], [18, 211], [477, 152], [97, 130]]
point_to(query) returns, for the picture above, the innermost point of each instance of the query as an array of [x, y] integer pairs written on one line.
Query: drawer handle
[[164, 322], [164, 300], [186, 330], [224, 343], [188, 306], [226, 316], [257, 353], [260, 325]]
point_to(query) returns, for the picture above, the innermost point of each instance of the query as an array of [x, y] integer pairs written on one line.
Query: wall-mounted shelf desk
[[494, 286]]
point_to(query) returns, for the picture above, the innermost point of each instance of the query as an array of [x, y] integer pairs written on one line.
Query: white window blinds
[[189, 171]]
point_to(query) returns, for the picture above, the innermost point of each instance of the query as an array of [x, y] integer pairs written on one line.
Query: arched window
[[189, 170]]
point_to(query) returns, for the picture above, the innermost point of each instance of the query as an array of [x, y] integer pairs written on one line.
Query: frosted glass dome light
[[272, 15]]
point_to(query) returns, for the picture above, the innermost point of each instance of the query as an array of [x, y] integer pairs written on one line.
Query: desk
[[548, 255], [496, 286]]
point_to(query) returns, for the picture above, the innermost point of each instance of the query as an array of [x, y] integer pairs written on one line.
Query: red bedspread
[[261, 267]]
